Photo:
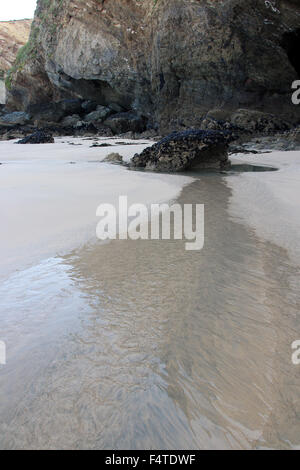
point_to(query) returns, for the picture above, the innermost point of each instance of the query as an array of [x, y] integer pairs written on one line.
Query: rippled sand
[[142, 345]]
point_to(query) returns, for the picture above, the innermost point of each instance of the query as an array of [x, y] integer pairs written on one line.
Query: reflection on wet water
[[134, 345], [232, 169], [244, 168]]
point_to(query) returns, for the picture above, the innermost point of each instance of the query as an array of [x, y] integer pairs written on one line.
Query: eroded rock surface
[[184, 150], [17, 117], [168, 61], [13, 35]]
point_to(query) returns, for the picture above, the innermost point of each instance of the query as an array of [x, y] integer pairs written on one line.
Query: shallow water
[[246, 167], [142, 345]]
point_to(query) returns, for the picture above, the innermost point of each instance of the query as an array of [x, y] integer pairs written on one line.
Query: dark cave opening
[[96, 90], [291, 43]]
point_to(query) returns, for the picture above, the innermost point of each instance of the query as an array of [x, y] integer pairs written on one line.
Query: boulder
[[39, 137], [54, 112], [258, 122], [15, 131], [101, 130], [285, 141], [17, 117], [88, 106], [294, 136], [47, 112], [113, 158], [183, 150], [116, 108], [210, 123], [70, 107], [125, 122], [71, 121], [219, 114], [101, 113], [83, 128]]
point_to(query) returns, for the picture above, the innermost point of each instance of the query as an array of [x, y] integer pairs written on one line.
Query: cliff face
[[169, 60], [13, 35]]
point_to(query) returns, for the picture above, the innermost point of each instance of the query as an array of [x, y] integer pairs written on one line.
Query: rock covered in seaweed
[[113, 158], [183, 150], [39, 137]]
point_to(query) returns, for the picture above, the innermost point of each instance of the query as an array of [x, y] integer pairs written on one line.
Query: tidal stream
[[143, 345]]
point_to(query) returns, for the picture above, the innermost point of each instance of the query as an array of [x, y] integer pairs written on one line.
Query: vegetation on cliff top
[[45, 19], [25, 52]]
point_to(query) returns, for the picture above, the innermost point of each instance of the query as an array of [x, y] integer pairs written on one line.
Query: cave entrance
[[291, 44], [96, 90]]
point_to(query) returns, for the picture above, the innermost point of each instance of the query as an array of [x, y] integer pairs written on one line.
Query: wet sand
[[142, 345], [49, 195], [270, 202]]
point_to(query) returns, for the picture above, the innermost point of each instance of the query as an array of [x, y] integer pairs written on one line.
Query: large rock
[[46, 113], [171, 61], [113, 158], [183, 150], [125, 122], [55, 111], [285, 141], [294, 136], [101, 113], [70, 107], [89, 106], [17, 117], [71, 121], [258, 122], [39, 137]]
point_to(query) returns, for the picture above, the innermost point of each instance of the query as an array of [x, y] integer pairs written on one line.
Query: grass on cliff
[[29, 51], [46, 16], [25, 52]]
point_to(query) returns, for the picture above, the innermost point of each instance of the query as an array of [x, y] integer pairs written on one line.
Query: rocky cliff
[[13, 35], [171, 61], [2, 92]]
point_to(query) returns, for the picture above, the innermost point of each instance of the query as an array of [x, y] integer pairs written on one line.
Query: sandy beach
[[50, 193], [140, 344], [269, 202], [56, 190], [150, 221]]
